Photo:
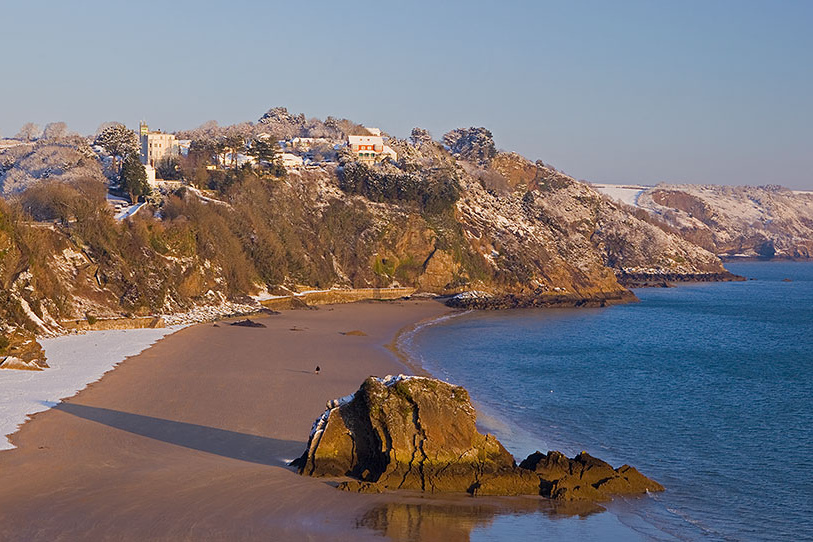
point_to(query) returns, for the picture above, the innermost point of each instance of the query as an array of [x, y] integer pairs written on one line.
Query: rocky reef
[[485, 301], [642, 279], [418, 433]]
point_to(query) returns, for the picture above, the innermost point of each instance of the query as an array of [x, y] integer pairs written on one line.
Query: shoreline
[[191, 439], [398, 349]]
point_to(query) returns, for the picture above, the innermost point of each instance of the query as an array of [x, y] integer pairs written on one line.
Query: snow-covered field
[[628, 193], [76, 361]]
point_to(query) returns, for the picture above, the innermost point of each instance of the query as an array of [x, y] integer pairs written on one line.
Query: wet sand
[[191, 439]]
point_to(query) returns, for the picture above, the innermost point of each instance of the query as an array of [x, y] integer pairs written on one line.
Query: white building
[[155, 146], [305, 143], [290, 160], [370, 147]]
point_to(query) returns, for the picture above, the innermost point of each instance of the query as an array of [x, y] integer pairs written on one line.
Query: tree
[[420, 136], [168, 169], [133, 178], [472, 144], [279, 121], [119, 141], [323, 152], [55, 130], [267, 153], [28, 132], [234, 140]]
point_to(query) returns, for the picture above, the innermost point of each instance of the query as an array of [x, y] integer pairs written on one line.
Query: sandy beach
[[191, 438]]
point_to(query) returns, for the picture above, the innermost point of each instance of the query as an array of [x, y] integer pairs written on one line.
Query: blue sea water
[[707, 388]]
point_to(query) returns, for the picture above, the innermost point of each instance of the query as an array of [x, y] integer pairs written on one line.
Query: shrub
[[433, 193]]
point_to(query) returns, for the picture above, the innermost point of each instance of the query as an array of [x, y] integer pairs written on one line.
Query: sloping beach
[[190, 440]]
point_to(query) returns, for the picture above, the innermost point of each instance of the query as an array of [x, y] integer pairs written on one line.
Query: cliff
[[419, 433], [737, 221], [439, 220]]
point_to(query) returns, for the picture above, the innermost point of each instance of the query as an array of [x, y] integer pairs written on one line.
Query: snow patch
[[127, 212], [75, 361], [625, 193]]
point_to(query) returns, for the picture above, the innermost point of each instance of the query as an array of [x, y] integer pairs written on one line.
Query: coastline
[[397, 347]]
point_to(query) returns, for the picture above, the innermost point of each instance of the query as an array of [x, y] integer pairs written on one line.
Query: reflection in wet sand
[[413, 517]]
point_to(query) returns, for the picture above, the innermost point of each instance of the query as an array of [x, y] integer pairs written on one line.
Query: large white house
[[155, 146], [370, 147]]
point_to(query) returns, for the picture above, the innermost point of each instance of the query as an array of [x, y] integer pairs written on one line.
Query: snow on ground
[[127, 212], [628, 193], [76, 361]]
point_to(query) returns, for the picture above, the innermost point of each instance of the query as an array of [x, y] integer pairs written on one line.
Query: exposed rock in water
[[19, 350], [540, 299], [419, 433], [585, 477], [11, 362], [661, 280]]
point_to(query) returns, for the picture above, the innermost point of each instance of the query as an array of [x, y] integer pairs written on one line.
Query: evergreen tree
[[133, 178], [420, 136], [118, 141], [265, 149], [472, 144]]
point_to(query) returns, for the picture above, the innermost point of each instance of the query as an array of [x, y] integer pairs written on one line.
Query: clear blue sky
[[711, 91]]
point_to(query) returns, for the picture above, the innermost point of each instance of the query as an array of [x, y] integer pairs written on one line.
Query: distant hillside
[[767, 222]]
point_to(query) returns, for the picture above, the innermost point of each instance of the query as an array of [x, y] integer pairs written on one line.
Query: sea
[[706, 388]]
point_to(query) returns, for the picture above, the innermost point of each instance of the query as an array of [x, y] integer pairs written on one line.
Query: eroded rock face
[[419, 433], [411, 433]]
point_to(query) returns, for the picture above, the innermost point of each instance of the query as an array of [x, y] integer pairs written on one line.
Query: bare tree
[[235, 138], [55, 130], [28, 132]]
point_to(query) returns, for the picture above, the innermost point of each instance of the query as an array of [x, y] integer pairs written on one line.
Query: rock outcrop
[[407, 432], [585, 477]]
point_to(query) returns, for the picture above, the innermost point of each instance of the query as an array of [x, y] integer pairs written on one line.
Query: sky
[[712, 91]]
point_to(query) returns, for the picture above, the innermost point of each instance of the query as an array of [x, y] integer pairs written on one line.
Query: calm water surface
[[706, 388]]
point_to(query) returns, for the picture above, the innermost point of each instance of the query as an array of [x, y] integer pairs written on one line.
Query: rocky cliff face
[[568, 239], [419, 433], [762, 222]]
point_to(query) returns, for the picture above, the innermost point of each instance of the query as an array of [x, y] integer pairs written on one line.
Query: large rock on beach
[[409, 432]]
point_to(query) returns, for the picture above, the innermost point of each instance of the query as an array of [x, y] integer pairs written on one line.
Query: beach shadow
[[251, 448]]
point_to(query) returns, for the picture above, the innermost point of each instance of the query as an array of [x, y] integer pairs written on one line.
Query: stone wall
[[336, 296], [114, 323]]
